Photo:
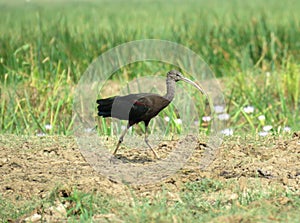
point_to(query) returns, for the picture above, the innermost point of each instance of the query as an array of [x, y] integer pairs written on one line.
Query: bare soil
[[32, 167]]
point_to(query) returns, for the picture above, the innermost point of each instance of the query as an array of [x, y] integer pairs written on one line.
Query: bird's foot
[[113, 159], [155, 154]]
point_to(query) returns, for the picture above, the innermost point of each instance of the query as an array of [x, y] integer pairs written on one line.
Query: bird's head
[[177, 76]]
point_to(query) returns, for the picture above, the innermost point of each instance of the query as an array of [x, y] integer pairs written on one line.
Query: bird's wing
[[137, 107], [141, 106], [147, 107], [129, 107]]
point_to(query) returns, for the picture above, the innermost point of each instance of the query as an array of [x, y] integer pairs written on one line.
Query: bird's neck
[[170, 89]]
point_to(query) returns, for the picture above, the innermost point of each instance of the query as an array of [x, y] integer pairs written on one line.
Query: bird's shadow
[[135, 159]]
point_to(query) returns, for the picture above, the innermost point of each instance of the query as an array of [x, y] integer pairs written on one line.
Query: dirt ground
[[32, 167]]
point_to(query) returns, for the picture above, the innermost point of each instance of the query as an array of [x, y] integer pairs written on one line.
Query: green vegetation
[[46, 47], [200, 201]]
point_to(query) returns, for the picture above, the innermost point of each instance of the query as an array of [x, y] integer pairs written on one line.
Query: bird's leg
[[121, 139], [147, 142]]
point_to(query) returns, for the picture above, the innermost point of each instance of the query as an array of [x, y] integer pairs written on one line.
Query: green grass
[[200, 201], [46, 47]]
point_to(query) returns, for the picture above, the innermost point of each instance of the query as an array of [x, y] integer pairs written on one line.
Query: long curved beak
[[194, 84]]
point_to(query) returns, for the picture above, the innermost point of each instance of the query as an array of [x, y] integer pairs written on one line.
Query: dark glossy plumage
[[134, 107]]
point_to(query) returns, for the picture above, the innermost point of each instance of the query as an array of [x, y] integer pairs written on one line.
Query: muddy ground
[[32, 167]]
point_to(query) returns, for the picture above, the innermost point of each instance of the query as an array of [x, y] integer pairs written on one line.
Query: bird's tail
[[104, 106]]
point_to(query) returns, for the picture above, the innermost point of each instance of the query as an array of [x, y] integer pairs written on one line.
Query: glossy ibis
[[141, 107]]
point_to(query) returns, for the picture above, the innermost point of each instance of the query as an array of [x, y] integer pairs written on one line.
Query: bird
[[141, 107]]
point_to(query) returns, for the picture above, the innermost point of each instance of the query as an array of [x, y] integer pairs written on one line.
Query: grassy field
[[46, 47], [253, 48]]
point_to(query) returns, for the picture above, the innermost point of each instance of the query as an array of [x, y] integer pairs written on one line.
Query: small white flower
[[40, 134], [219, 109], [48, 127], [268, 74], [287, 129], [88, 130], [178, 121], [267, 128], [167, 118], [261, 118], [206, 118], [249, 109], [263, 134], [224, 116], [227, 132]]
